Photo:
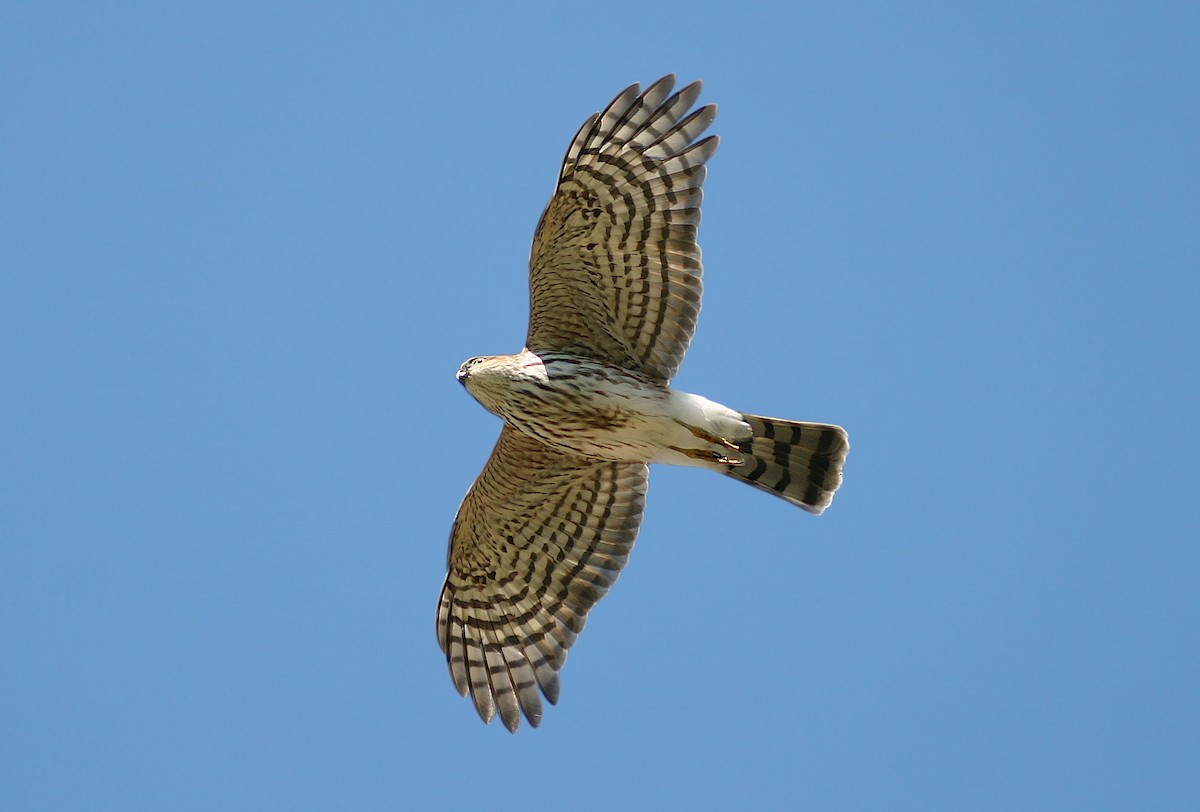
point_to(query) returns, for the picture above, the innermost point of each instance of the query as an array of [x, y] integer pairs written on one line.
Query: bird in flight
[[614, 282]]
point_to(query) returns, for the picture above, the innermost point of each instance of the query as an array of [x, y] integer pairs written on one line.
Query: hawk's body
[[581, 406], [614, 294]]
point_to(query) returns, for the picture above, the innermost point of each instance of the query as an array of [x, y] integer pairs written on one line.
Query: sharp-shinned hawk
[[614, 295]]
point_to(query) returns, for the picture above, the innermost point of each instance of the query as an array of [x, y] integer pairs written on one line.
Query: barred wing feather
[[615, 270], [539, 539]]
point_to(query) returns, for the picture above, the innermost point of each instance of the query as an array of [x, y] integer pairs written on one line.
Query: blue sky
[[244, 248]]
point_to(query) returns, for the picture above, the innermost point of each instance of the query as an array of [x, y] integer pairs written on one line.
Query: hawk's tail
[[801, 462]]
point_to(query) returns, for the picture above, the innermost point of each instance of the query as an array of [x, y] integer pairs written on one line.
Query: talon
[[731, 461], [728, 444]]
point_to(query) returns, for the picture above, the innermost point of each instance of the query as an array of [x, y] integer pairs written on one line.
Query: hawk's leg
[[711, 456]]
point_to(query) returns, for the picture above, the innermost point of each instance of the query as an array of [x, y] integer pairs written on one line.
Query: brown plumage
[[615, 283]]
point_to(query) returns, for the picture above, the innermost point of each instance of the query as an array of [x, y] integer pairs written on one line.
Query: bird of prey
[[614, 295]]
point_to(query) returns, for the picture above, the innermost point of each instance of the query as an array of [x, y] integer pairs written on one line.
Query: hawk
[[614, 294]]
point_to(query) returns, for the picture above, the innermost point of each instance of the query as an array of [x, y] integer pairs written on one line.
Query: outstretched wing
[[539, 538], [615, 268]]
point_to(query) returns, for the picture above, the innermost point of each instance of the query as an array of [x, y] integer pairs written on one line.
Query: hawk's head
[[464, 371], [501, 382]]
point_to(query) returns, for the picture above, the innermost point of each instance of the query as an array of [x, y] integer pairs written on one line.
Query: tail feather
[[801, 462]]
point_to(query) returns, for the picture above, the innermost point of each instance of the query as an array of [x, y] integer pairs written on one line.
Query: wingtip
[[485, 708], [664, 84], [512, 723]]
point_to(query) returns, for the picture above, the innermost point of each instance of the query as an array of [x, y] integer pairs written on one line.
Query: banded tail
[[801, 462]]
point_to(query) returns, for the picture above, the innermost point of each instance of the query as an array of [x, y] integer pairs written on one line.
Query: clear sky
[[244, 247]]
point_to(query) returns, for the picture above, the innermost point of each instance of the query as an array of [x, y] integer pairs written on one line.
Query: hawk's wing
[[615, 268], [539, 538]]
